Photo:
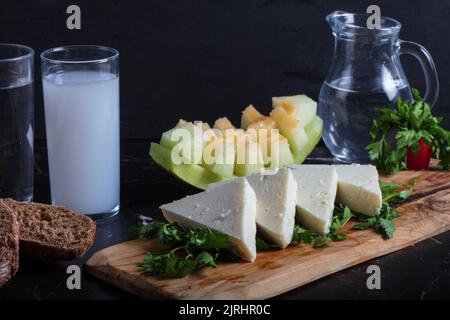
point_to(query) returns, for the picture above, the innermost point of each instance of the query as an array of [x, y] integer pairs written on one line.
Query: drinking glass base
[[105, 215]]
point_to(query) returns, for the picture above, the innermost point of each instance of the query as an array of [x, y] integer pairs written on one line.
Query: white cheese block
[[316, 193], [275, 209], [229, 208], [358, 187], [275, 204]]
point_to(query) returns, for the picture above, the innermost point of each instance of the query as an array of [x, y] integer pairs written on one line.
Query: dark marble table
[[418, 272]]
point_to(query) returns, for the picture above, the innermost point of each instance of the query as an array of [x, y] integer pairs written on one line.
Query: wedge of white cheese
[[275, 209], [358, 187], [229, 208], [275, 204], [316, 193]]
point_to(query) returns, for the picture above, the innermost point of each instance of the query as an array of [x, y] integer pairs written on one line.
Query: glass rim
[[114, 54], [396, 25], [29, 52]]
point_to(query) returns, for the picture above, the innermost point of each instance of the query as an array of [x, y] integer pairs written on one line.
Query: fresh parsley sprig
[[191, 249], [263, 245], [341, 216], [410, 122], [392, 194]]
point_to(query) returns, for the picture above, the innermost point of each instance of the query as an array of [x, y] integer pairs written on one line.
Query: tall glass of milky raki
[[81, 98]]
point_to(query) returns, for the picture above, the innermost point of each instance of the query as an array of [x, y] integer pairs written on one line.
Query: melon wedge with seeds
[[301, 107], [223, 124], [285, 156], [187, 139], [250, 115], [314, 134], [219, 155], [274, 147], [291, 129], [248, 156], [192, 174]]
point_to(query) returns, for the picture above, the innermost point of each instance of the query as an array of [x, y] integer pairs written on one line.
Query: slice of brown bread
[[52, 232], [9, 243]]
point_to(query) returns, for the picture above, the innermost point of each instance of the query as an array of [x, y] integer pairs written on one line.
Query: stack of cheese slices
[[270, 203]]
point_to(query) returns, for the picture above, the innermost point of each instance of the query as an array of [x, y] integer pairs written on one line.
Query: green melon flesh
[[193, 146], [201, 177], [192, 174], [252, 163], [302, 107], [285, 156], [222, 155], [314, 133]]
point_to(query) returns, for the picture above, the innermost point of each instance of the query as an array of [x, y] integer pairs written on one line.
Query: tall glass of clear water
[[81, 98], [16, 122]]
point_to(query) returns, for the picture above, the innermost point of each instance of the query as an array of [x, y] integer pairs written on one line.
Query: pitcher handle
[[427, 63]]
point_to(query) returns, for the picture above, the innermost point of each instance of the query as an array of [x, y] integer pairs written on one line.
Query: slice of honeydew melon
[[219, 153], [249, 116], [266, 123], [301, 107], [280, 152], [290, 128], [314, 134], [262, 131], [182, 122], [248, 155], [186, 139], [205, 128], [274, 147], [192, 174], [223, 124]]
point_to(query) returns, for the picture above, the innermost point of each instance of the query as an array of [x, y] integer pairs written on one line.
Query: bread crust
[[9, 254], [42, 251], [35, 248]]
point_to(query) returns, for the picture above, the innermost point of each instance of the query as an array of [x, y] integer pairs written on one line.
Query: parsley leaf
[[388, 227], [304, 235], [205, 258], [366, 224], [392, 193], [206, 239], [263, 245], [341, 216], [320, 241]]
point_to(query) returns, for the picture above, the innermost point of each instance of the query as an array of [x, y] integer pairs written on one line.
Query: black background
[[203, 59]]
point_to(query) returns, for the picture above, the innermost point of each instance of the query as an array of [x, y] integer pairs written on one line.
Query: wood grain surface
[[278, 271]]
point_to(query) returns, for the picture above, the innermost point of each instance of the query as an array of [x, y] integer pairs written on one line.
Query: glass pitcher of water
[[366, 74]]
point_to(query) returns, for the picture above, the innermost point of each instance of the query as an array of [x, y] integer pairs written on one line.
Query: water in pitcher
[[349, 115], [16, 142]]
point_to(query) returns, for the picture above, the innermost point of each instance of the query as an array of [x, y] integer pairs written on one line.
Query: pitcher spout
[[346, 23], [334, 19]]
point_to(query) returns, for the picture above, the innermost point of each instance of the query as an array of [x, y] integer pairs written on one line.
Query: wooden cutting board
[[427, 213]]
